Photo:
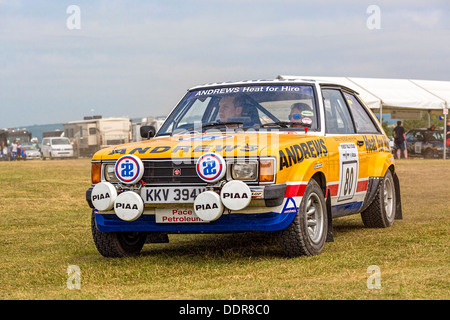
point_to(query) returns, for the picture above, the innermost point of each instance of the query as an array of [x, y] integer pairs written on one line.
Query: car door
[[348, 160], [44, 147], [374, 140]]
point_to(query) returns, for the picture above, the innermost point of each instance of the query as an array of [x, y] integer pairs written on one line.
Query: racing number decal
[[349, 164], [349, 176]]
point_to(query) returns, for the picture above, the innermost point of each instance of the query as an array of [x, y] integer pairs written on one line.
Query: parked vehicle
[[56, 148], [7, 139], [31, 152], [425, 143], [279, 156], [95, 133]]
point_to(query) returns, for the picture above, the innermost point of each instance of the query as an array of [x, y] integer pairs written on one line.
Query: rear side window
[[337, 116], [363, 122]]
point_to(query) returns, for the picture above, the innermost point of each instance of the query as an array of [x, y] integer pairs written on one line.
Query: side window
[[411, 137], [363, 122], [337, 115], [44, 142]]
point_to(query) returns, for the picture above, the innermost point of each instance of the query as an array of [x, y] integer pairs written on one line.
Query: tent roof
[[388, 94]]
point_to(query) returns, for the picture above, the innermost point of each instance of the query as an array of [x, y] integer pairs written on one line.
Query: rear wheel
[[117, 244], [381, 212], [307, 233], [428, 154]]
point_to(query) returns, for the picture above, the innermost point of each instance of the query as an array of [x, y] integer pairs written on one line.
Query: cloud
[[138, 58]]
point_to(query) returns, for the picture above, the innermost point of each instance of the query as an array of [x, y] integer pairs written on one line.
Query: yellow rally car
[[282, 156]]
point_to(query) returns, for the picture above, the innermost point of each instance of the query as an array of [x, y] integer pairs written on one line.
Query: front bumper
[[33, 156], [62, 154], [272, 215]]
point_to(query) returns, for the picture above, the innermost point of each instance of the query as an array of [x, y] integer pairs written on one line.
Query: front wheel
[[307, 233], [117, 244]]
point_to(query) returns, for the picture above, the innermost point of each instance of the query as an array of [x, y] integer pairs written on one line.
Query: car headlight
[[109, 172], [244, 170], [267, 170]]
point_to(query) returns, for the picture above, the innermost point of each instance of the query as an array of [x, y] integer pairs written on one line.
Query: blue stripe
[[271, 221], [346, 209]]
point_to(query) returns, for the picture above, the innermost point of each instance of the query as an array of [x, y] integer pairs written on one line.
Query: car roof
[[420, 129], [268, 82]]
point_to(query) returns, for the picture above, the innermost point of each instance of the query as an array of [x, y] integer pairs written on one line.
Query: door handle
[[360, 143]]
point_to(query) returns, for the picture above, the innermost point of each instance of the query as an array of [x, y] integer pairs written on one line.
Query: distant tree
[[423, 122], [387, 128]]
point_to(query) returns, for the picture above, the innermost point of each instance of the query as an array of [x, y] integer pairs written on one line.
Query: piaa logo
[[210, 167], [129, 169]]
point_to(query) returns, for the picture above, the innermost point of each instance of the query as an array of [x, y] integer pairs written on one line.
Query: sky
[[137, 58]]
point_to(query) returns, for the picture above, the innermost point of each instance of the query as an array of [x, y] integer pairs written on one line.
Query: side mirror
[[147, 132]]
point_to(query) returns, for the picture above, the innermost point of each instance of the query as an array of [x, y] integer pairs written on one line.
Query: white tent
[[396, 96]]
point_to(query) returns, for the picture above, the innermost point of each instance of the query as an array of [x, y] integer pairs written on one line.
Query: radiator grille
[[165, 172]]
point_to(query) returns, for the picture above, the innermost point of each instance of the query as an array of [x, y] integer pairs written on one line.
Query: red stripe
[[333, 189], [362, 185], [298, 190], [295, 190]]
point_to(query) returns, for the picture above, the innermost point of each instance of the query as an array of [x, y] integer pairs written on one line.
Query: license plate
[[170, 194], [176, 215]]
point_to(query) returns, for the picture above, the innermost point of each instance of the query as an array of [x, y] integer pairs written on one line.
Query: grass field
[[45, 228]]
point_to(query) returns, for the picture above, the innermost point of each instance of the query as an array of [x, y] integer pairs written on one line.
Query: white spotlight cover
[[103, 196], [235, 195], [129, 206], [207, 206]]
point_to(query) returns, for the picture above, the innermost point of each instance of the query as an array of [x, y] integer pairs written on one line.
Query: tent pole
[[445, 134], [381, 114]]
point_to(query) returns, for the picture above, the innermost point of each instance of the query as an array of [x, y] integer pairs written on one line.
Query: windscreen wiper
[[219, 124], [287, 124], [283, 124]]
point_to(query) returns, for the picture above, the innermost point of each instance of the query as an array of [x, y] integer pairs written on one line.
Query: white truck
[[95, 133]]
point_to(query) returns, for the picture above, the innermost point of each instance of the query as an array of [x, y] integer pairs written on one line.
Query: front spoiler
[[274, 219], [269, 221]]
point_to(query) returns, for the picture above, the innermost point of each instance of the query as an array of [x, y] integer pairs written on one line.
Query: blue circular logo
[[129, 169], [210, 167]]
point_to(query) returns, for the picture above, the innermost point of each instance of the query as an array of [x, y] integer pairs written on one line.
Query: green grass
[[45, 227]]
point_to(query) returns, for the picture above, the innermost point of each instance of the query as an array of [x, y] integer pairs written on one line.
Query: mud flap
[[330, 237], [398, 208], [157, 237]]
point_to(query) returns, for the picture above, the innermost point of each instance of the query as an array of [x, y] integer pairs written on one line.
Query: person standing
[[400, 140], [3, 153], [14, 150]]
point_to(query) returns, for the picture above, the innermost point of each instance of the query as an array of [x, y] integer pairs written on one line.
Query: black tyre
[[428, 154], [117, 244], [381, 212], [307, 233]]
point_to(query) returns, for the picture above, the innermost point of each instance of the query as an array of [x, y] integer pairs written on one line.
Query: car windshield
[[60, 141], [29, 147], [289, 107]]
